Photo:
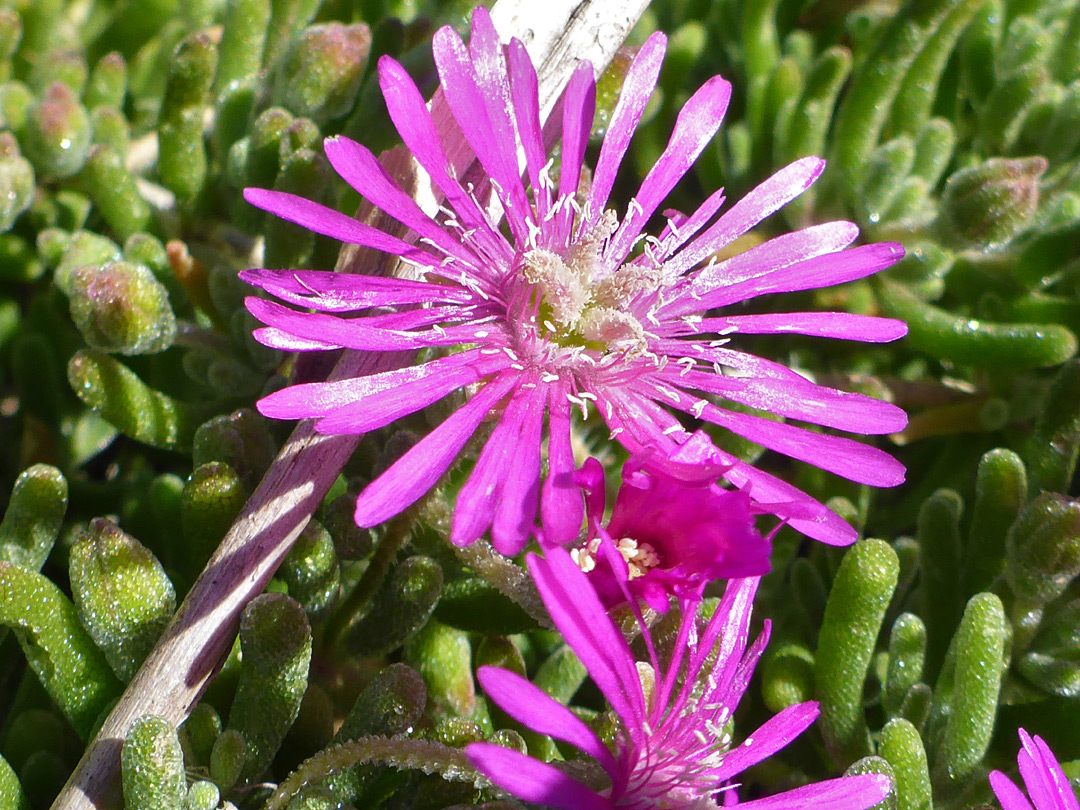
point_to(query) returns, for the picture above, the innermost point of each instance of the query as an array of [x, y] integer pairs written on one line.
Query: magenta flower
[[1046, 783], [674, 747], [557, 311], [672, 530]]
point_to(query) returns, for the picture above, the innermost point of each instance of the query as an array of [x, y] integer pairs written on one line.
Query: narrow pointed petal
[[579, 107], [341, 292], [515, 513], [847, 458], [328, 222], [414, 124], [561, 508], [584, 623], [362, 170], [532, 780], [493, 82], [636, 91], [357, 333], [825, 525], [778, 732], [837, 325], [480, 495], [776, 254], [1008, 794], [532, 707], [486, 136], [695, 126], [320, 399], [812, 274], [846, 793], [766, 199], [412, 475], [856, 413], [525, 90]]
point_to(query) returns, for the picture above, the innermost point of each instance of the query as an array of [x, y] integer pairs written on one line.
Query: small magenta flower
[[1046, 783], [674, 746], [674, 530], [567, 306]]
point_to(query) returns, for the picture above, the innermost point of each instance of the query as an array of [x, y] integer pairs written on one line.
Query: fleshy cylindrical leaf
[[152, 765], [275, 640], [856, 607], [123, 595]]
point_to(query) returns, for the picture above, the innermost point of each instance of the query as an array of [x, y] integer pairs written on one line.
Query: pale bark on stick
[[558, 34]]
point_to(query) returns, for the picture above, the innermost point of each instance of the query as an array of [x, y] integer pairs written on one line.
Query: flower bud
[[58, 133], [120, 307], [987, 205], [321, 72]]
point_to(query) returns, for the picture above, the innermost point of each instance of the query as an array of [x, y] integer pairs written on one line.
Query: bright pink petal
[[778, 732], [328, 222], [479, 498], [811, 274], [493, 82], [362, 170], [532, 707], [319, 399], [532, 780], [846, 793], [515, 513], [379, 409], [1008, 794], [824, 524], [852, 460], [776, 254], [584, 623], [414, 124], [766, 199], [343, 292], [856, 413], [283, 341], [423, 464], [838, 325], [636, 91], [487, 137], [526, 96], [695, 126], [561, 508], [579, 107], [360, 333]]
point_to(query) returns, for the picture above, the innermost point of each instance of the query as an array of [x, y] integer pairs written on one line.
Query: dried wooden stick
[[558, 34]]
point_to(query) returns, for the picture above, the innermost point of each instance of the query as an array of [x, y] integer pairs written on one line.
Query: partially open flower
[[674, 745], [672, 530]]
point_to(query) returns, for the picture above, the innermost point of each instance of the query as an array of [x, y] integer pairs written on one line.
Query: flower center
[[575, 310], [640, 557]]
